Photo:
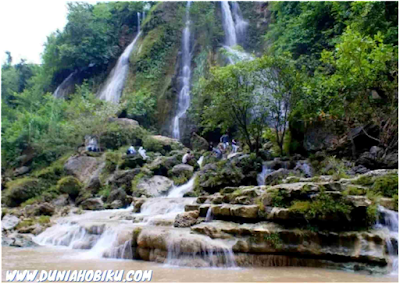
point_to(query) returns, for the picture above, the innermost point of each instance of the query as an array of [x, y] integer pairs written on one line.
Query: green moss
[[372, 213], [272, 239], [43, 220], [112, 160], [69, 185], [151, 144], [21, 190], [396, 201], [279, 198], [105, 191], [181, 179], [364, 180], [354, 190], [323, 206], [386, 185]]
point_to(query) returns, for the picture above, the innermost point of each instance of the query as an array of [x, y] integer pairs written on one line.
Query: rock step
[[270, 238], [226, 210]]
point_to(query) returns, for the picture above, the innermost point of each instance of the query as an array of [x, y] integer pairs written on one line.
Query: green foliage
[[69, 185], [151, 144], [386, 185], [396, 201], [354, 190], [279, 198], [335, 167], [321, 207], [179, 180], [372, 214], [91, 36], [105, 192], [112, 160], [20, 190], [365, 180]]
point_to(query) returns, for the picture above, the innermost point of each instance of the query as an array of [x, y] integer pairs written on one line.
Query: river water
[[57, 258]]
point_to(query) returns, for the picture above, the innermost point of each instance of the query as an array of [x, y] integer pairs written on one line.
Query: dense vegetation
[[321, 61]]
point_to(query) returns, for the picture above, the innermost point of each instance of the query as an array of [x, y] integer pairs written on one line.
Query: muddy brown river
[[56, 258]]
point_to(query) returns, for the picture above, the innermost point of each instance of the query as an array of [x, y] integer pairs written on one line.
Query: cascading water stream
[[240, 24], [228, 25], [184, 93], [112, 89], [62, 89], [261, 176], [388, 220]]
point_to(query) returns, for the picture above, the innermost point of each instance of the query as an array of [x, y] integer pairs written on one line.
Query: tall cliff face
[[156, 62]]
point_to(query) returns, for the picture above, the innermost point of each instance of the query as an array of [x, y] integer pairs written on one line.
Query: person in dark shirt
[[224, 140]]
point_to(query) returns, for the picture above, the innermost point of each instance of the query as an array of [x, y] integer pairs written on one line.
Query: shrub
[[117, 135], [151, 144], [105, 192], [354, 190], [279, 198], [323, 206], [21, 190], [181, 179], [386, 185], [112, 160], [69, 185], [364, 180]]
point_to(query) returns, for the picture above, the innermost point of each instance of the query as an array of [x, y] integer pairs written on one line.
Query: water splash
[[184, 93], [115, 82], [389, 222]]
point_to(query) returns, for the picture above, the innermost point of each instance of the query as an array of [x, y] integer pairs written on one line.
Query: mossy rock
[[132, 162], [21, 190], [69, 185], [386, 185]]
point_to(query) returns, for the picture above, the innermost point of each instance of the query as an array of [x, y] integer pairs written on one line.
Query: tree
[[343, 88], [281, 84], [235, 102]]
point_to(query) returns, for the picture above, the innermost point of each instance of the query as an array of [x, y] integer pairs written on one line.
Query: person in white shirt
[[142, 153], [186, 158]]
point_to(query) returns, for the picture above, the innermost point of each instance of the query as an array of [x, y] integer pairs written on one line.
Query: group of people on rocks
[[223, 145], [142, 152]]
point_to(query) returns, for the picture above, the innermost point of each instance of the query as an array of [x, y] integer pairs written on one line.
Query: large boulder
[[198, 143], [21, 190], [117, 194], [137, 204], [161, 165], [186, 219], [92, 204], [18, 240], [154, 186], [82, 167], [124, 179], [182, 169], [9, 222], [321, 136], [69, 185], [274, 177], [21, 171], [132, 161], [126, 122]]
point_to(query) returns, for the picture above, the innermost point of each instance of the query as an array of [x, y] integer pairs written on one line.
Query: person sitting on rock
[[218, 152], [186, 158], [224, 140], [235, 146], [131, 150], [142, 153]]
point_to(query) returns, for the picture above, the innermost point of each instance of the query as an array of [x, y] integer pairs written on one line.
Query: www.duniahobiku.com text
[[78, 275]]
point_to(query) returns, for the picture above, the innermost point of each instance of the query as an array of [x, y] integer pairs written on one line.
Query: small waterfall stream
[[184, 93], [388, 221], [114, 85], [261, 176]]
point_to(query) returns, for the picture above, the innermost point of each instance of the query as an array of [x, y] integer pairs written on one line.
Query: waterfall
[[240, 23], [389, 222], [184, 93], [114, 85], [138, 20], [261, 176], [228, 24], [65, 87]]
